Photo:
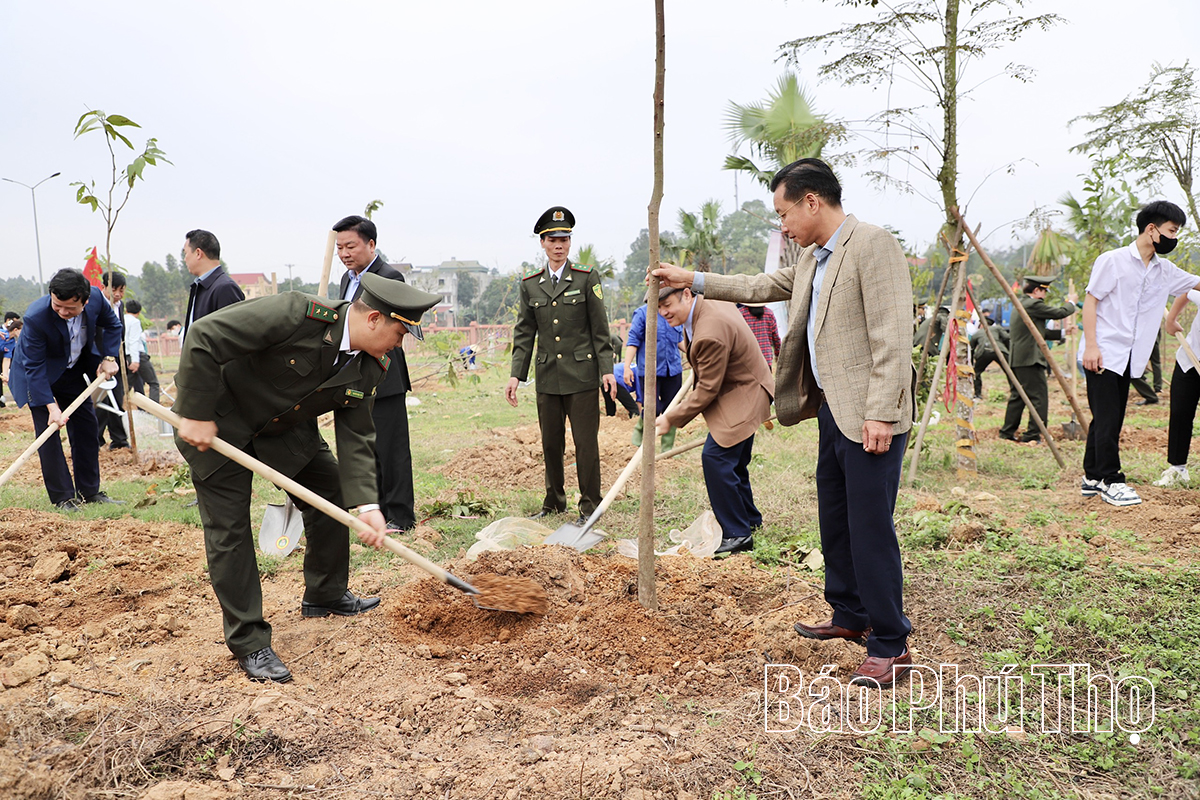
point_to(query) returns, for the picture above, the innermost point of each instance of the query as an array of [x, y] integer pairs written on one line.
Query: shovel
[[502, 594], [1073, 430], [281, 528], [51, 430]]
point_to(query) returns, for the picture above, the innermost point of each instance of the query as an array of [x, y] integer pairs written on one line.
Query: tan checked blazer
[[863, 332], [733, 384]]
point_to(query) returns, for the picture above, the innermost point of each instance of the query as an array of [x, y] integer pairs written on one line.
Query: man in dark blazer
[[847, 361], [213, 288], [70, 334], [356, 237]]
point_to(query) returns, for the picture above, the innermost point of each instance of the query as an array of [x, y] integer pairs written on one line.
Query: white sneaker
[[1119, 494], [1174, 476], [1090, 488]]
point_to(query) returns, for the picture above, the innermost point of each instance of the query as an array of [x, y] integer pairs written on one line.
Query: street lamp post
[[36, 237]]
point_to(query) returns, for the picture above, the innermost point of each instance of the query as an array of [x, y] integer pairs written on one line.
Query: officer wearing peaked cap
[[258, 374], [562, 309], [1026, 359]]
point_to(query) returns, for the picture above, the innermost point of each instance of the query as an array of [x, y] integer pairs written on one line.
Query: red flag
[[968, 305], [92, 271]]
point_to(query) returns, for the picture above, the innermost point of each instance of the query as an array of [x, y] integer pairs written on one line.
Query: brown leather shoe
[[882, 672], [827, 630]]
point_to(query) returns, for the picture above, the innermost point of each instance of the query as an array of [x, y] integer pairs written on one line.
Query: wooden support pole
[[943, 357], [937, 304], [327, 264], [1002, 360], [1037, 336], [647, 593]]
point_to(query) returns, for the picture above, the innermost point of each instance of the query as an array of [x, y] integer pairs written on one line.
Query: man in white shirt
[[1185, 395], [1121, 315]]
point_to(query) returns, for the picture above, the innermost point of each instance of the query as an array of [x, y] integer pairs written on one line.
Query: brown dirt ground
[[512, 457]]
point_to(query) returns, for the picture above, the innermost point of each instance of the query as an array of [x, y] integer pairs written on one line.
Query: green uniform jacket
[[980, 343], [938, 321], [574, 347], [263, 370], [1024, 350]]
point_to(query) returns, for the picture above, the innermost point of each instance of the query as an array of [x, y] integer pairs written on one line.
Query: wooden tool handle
[[307, 495], [50, 431], [1183, 342], [327, 265]]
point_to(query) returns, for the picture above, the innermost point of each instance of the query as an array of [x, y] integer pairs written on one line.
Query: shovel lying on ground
[[494, 592], [51, 430], [1073, 430]]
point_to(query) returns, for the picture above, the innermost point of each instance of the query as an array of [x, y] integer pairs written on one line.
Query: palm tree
[[605, 266], [699, 242], [779, 130]]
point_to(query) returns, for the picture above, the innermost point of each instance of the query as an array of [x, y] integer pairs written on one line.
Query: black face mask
[[1165, 244]]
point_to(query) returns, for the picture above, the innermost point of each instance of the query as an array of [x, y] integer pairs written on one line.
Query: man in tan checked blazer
[[846, 360]]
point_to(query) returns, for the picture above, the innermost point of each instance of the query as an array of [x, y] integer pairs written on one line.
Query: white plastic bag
[[701, 539], [508, 533]]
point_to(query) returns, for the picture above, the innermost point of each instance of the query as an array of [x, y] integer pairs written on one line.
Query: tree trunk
[[647, 594]]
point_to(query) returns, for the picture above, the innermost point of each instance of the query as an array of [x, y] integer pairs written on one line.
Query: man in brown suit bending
[[846, 360], [732, 389]]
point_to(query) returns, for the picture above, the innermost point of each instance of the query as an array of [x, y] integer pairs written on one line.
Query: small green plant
[[464, 506], [181, 477], [746, 769]]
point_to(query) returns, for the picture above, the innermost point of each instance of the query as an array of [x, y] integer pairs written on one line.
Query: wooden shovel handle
[[52, 430], [307, 495]]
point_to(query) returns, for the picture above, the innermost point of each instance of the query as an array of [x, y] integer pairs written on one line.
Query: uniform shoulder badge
[[532, 272], [581, 267], [319, 312], [596, 290], [384, 361]]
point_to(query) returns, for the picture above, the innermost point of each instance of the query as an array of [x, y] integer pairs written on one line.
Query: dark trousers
[[727, 478], [856, 498], [1185, 394], [1107, 394], [583, 409], [623, 397], [81, 432], [145, 379], [982, 361], [113, 423], [224, 499], [1033, 381], [1142, 387], [393, 461]]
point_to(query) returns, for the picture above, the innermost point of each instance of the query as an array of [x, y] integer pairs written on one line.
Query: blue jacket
[[669, 360], [44, 347]]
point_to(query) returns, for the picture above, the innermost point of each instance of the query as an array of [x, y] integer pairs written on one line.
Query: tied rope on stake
[[953, 335]]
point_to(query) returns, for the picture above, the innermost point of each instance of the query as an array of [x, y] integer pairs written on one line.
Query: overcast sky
[[468, 119]]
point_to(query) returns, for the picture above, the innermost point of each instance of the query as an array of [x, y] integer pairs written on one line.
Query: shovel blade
[[281, 529], [570, 535]]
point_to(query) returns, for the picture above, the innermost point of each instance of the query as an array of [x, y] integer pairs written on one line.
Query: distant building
[[444, 280], [255, 284]]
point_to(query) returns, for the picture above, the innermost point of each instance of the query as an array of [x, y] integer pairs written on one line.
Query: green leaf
[[741, 765], [117, 119]]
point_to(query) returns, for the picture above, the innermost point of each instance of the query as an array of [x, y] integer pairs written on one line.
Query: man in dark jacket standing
[[1026, 359], [212, 288], [356, 237], [70, 334]]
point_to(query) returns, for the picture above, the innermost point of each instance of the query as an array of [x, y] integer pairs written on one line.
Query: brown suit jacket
[[863, 330], [733, 386]]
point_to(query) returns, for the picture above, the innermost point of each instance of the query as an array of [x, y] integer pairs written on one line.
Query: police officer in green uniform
[[562, 308], [1026, 359], [258, 374], [938, 320]]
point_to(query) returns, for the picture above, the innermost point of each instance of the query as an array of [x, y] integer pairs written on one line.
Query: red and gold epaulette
[[321, 313]]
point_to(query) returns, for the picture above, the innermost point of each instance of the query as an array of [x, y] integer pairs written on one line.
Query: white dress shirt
[[1193, 337], [352, 286], [135, 339], [1131, 297]]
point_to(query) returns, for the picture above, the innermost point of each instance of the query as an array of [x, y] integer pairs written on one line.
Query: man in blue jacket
[[70, 334]]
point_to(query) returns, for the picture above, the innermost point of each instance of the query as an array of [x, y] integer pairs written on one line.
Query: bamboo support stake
[[1037, 336], [943, 358], [647, 592], [1002, 360]]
